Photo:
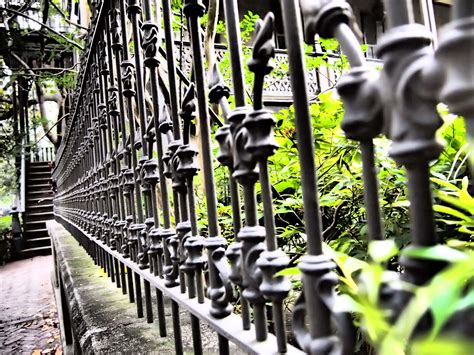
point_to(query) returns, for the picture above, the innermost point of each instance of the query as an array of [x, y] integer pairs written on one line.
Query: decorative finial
[[217, 88], [187, 112], [264, 45], [189, 103]]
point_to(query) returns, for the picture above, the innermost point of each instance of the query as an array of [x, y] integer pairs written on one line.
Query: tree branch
[[54, 125], [25, 7], [65, 17], [22, 62], [55, 69], [75, 44]]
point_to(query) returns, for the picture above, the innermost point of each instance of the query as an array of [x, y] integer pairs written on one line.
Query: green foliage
[[340, 186], [5, 223], [66, 80], [450, 291], [55, 48], [9, 150], [364, 268], [463, 205], [247, 26], [8, 182], [5, 238]]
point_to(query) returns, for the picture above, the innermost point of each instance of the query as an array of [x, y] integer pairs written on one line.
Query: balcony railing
[[277, 89]]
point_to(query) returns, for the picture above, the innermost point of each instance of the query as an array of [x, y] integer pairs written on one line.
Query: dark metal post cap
[[322, 16], [194, 8]]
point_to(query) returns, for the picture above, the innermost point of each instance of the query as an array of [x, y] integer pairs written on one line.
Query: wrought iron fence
[[122, 149]]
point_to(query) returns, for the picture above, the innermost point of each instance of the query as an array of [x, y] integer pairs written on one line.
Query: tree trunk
[[44, 120], [212, 18], [209, 38]]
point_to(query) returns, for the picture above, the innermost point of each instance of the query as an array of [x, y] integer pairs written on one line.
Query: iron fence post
[[193, 10]]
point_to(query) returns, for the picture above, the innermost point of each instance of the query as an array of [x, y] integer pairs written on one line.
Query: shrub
[[5, 238]]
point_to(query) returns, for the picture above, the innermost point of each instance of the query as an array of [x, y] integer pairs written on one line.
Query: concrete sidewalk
[[28, 315]]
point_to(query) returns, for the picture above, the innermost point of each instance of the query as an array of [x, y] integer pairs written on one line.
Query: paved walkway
[[28, 315]]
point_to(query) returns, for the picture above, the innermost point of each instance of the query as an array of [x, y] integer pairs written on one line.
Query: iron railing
[[21, 196], [277, 89], [43, 154], [123, 149]]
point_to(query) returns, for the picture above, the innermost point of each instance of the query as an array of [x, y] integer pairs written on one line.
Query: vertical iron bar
[[399, 12], [196, 329], [421, 200], [134, 11], [118, 273], [161, 313], [318, 314], [110, 269], [171, 64], [131, 293], [223, 345], [193, 11], [399, 81], [178, 342], [235, 50], [148, 303], [123, 278], [138, 295], [371, 195]]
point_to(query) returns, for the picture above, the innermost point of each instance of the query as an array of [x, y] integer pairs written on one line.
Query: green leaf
[[466, 230], [370, 281], [442, 288], [347, 264], [456, 243], [445, 346], [444, 305], [291, 271], [446, 184], [466, 302], [465, 183], [382, 250], [466, 204], [437, 252], [445, 291], [401, 203], [452, 212]]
